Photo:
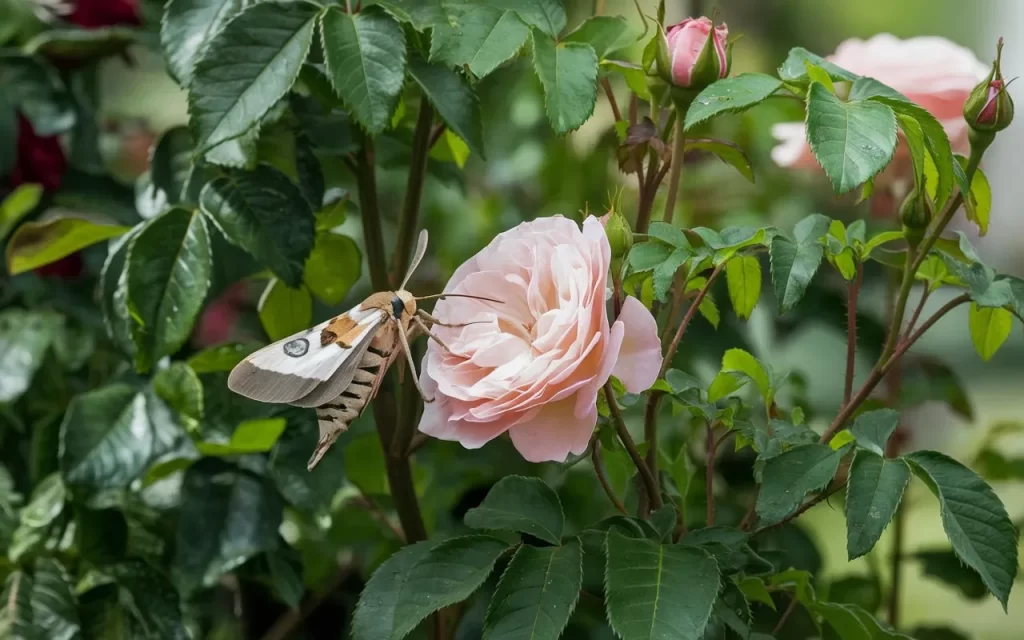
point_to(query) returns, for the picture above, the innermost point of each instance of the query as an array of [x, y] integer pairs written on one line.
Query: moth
[[338, 365]]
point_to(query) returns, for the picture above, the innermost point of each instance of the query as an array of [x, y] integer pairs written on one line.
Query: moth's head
[[408, 300]]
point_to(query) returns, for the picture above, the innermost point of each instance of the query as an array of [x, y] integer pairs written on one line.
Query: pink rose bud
[[693, 53], [990, 108]]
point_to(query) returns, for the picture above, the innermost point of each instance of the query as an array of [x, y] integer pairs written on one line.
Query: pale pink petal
[[586, 399], [639, 358], [554, 432]]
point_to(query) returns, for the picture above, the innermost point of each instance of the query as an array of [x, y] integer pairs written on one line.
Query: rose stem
[[602, 475], [853, 289], [650, 484]]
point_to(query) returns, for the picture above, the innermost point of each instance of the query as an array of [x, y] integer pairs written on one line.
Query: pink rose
[[686, 41], [535, 363], [937, 74]]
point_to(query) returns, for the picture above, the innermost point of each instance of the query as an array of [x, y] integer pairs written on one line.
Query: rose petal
[[554, 432], [639, 358]]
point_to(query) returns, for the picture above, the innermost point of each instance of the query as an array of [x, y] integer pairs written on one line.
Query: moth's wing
[[342, 378], [291, 369]]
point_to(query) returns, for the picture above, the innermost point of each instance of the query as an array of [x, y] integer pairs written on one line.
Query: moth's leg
[[423, 328], [429, 318], [412, 366]]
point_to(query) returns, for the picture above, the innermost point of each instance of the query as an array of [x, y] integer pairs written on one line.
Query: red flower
[[96, 14], [40, 158]]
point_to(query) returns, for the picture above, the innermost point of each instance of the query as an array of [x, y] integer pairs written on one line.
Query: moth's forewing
[[290, 370]]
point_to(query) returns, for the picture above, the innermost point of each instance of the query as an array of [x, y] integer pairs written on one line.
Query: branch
[[654, 494], [678, 150], [373, 236], [607, 86], [851, 333], [920, 307], [818, 499], [602, 475], [407, 222], [882, 368], [286, 625], [709, 489]]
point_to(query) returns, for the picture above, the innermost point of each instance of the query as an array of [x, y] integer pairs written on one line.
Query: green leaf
[[17, 205], [978, 204], [546, 15], [730, 95], [247, 68], [743, 275], [872, 496], [376, 615], [171, 166], [114, 292], [284, 311], [794, 69], [990, 327], [448, 573], [729, 153], [365, 55], [852, 141], [606, 34], [946, 567], [310, 491], [878, 240], [180, 387], [872, 429], [940, 155], [46, 502], [739, 361], [109, 436], [633, 74], [334, 266], [817, 74], [150, 597], [168, 269], [36, 89], [648, 255], [536, 594], [974, 519], [521, 504], [793, 267], [54, 609], [81, 45], [844, 620], [25, 337], [264, 213], [755, 590], [658, 590], [251, 436], [568, 73], [482, 38], [186, 30], [930, 380], [227, 516], [789, 476], [35, 244], [453, 98], [16, 611], [220, 358]]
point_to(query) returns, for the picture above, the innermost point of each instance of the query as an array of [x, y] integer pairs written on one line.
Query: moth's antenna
[[459, 295], [421, 248]]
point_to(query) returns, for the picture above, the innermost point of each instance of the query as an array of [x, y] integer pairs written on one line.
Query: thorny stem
[[896, 326], [602, 475], [851, 333], [917, 312], [650, 484], [883, 367], [373, 236], [407, 222], [678, 150], [654, 399]]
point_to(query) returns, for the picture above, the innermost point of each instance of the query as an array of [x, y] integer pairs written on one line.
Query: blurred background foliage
[[529, 172]]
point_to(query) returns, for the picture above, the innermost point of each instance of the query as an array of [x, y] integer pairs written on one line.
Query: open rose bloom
[[534, 364], [937, 74]]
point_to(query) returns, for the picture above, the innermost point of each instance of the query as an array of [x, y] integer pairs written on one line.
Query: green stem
[[407, 221], [906, 284], [650, 484], [678, 150]]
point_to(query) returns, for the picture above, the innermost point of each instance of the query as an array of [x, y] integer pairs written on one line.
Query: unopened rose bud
[[693, 53], [620, 234], [990, 107], [915, 216]]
